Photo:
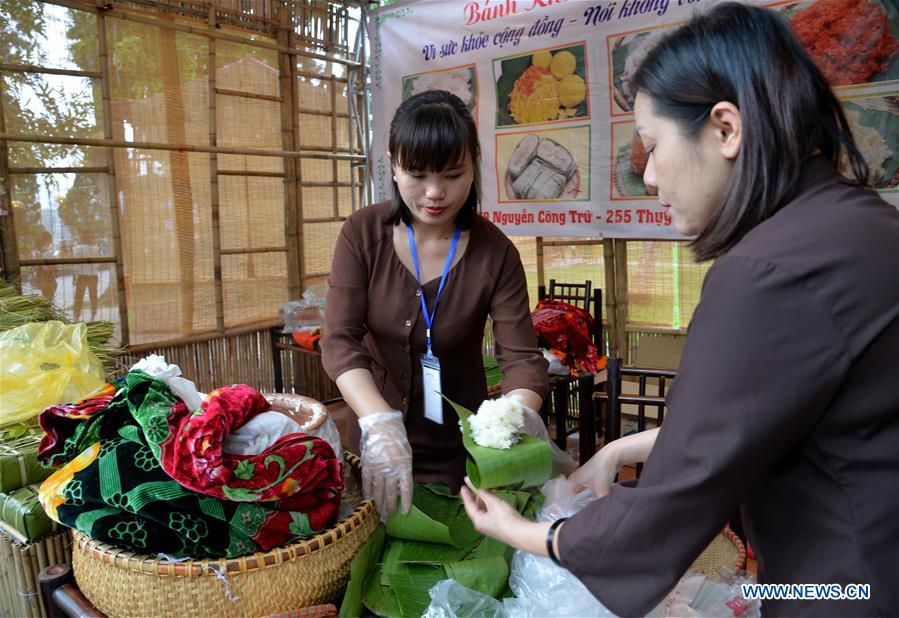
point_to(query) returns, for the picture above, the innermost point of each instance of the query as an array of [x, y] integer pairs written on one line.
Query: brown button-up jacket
[[373, 320], [787, 400]]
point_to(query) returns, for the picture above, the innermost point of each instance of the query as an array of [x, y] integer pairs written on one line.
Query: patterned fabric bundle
[[566, 331], [144, 473]]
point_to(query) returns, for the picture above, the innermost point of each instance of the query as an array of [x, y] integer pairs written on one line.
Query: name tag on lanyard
[[430, 384], [430, 365]]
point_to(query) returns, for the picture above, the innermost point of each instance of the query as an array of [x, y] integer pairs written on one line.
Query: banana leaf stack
[[394, 571]]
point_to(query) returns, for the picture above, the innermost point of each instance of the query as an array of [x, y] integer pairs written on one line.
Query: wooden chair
[[613, 398], [570, 399]]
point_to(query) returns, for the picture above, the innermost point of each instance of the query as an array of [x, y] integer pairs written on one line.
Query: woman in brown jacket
[[786, 399], [392, 263]]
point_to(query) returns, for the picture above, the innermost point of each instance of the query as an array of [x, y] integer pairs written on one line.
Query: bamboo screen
[[180, 215]]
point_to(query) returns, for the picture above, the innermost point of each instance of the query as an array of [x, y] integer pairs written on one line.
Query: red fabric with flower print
[[299, 471], [566, 328]]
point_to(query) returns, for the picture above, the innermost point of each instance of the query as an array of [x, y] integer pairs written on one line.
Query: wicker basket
[[314, 571], [725, 550]]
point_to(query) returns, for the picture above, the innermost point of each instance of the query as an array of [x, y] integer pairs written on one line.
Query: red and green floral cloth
[[143, 472]]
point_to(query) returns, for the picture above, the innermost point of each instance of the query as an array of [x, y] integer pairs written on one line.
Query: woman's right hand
[[599, 473], [386, 461]]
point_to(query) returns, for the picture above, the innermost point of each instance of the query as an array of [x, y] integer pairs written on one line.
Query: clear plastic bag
[[305, 314], [450, 599], [42, 364], [541, 587], [697, 595]]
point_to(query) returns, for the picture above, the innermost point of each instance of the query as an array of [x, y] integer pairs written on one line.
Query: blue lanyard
[[429, 318]]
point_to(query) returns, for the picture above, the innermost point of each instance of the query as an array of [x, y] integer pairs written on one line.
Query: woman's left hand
[[498, 519]]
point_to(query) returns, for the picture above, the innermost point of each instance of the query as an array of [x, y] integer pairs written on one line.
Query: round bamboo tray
[[311, 572], [725, 550]]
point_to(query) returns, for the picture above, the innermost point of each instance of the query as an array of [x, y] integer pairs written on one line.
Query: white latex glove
[[563, 463], [386, 461]]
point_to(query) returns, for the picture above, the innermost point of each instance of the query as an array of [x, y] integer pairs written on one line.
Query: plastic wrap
[[450, 599], [42, 364], [305, 314]]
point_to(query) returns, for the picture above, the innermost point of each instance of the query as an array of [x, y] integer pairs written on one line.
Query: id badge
[[430, 369]]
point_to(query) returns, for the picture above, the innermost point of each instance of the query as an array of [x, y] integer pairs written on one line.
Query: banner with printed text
[[549, 85]]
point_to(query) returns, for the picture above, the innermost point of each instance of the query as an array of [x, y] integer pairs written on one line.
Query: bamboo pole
[[541, 275], [611, 296], [245, 95], [40, 562], [218, 294], [321, 76], [52, 555], [28, 68], [112, 184], [300, 233], [171, 25], [7, 576], [573, 242], [622, 296], [9, 248], [319, 112], [203, 336], [312, 152], [59, 170], [325, 184], [288, 120], [323, 220], [250, 173], [61, 261], [335, 192], [249, 250]]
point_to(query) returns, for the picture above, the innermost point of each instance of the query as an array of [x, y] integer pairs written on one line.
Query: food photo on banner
[[549, 85]]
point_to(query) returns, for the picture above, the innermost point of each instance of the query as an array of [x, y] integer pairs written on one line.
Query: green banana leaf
[[526, 464], [433, 518], [380, 599], [411, 585], [487, 575], [363, 564]]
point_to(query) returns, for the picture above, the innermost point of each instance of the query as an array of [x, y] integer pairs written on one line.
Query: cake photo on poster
[[875, 125], [547, 85], [629, 160], [852, 41], [461, 81], [547, 165]]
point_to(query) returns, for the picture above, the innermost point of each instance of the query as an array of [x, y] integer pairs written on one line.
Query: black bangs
[[430, 139], [431, 132]]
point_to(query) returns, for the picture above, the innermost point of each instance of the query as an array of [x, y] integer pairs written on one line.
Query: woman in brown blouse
[[786, 399], [375, 323]]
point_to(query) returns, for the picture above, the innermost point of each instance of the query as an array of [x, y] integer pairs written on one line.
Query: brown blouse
[[786, 401], [373, 320]]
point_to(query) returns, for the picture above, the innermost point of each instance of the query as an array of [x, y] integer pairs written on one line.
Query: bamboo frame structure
[[10, 248], [309, 153], [111, 179], [218, 296]]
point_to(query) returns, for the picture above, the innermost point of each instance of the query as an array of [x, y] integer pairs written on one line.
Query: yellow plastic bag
[[44, 363]]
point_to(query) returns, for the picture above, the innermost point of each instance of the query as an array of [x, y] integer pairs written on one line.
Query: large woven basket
[[725, 550], [311, 572]]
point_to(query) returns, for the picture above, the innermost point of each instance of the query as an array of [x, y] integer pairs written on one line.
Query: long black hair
[[430, 132], [749, 57]]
